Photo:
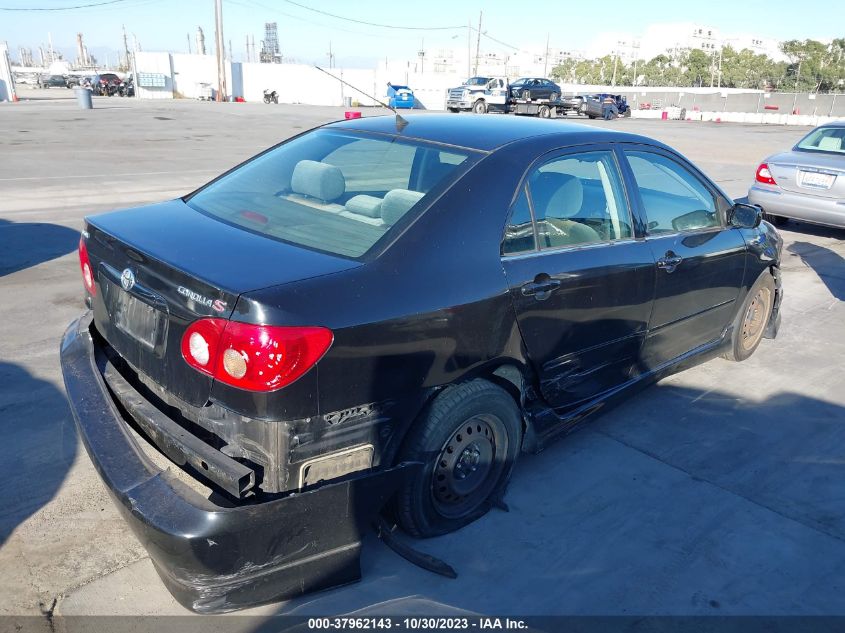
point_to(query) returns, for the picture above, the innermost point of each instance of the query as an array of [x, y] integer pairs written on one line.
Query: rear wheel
[[480, 107], [454, 110], [544, 112], [468, 441], [752, 319]]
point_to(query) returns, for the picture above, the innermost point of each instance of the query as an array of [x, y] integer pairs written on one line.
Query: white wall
[[191, 70], [295, 83], [155, 63]]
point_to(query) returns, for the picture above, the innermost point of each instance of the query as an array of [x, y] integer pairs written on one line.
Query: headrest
[[317, 180], [369, 206], [830, 143], [397, 202], [556, 195]]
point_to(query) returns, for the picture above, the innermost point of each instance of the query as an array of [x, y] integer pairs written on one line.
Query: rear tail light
[[764, 175], [85, 266], [253, 357]]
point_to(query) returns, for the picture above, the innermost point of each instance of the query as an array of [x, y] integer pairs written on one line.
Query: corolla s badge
[[215, 304], [127, 279]]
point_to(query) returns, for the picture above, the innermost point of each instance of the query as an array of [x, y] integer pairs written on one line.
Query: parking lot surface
[[717, 491]]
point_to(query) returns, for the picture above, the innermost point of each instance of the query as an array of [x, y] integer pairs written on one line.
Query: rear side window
[[332, 191], [674, 198], [519, 234], [578, 199], [824, 139]]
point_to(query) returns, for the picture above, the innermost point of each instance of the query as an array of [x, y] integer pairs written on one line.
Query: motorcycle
[[271, 96], [126, 89]]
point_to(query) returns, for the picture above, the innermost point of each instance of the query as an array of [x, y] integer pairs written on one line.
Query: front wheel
[[468, 442], [752, 319], [480, 107], [454, 110]]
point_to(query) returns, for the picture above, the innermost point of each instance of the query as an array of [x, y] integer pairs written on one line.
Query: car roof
[[485, 132]]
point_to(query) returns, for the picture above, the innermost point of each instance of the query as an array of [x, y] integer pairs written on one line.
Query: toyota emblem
[[127, 279]]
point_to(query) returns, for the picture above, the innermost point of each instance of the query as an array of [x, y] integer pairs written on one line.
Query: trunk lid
[[159, 268], [811, 173]]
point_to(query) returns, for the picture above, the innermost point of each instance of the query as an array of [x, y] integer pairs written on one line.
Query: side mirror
[[745, 216]]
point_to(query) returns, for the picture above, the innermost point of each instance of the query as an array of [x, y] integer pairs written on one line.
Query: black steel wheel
[[468, 441], [752, 319]]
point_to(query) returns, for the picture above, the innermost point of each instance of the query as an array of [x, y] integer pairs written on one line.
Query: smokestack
[[200, 41], [80, 50]]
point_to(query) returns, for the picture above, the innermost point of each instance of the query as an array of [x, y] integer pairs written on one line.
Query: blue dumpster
[[400, 96]]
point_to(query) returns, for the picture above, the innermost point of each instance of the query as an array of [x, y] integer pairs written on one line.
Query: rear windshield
[[824, 139], [337, 192]]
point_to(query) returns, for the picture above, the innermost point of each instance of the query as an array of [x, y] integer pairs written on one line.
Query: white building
[[660, 38]]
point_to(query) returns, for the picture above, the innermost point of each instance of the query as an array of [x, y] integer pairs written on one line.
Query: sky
[[305, 34]]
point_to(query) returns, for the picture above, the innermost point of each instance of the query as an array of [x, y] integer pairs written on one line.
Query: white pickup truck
[[479, 94]]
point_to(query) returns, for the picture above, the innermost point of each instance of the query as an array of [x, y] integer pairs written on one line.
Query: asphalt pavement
[[720, 490]]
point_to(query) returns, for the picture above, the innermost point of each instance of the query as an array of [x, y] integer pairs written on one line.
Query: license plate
[[815, 180], [136, 318]]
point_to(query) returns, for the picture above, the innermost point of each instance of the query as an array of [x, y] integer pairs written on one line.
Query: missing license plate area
[[136, 318], [815, 180], [335, 465]]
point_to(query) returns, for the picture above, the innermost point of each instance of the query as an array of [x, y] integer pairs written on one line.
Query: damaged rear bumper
[[214, 558]]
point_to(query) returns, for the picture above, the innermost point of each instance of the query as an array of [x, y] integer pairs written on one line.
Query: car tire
[[454, 110], [554, 96], [544, 112], [751, 321], [467, 440], [480, 107], [582, 108], [592, 116]]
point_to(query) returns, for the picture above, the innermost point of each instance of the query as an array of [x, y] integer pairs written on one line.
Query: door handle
[[540, 290], [669, 262]]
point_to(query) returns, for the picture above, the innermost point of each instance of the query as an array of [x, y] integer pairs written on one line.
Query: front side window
[[674, 198], [338, 192], [578, 199]]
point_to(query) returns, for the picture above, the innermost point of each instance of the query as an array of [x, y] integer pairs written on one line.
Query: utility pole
[[221, 67], [331, 55], [231, 52], [469, 48], [135, 66], [188, 35], [247, 49], [125, 45], [546, 58], [478, 42]]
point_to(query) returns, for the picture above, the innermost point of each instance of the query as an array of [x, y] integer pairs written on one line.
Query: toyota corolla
[[382, 315]]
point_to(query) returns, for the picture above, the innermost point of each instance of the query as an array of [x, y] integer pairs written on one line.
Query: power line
[[78, 6], [383, 26]]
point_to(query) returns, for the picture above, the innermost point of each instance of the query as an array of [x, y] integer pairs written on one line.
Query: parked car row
[[103, 84], [528, 95]]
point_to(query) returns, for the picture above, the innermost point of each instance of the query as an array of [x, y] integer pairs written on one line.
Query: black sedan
[[52, 81], [534, 89], [389, 311]]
